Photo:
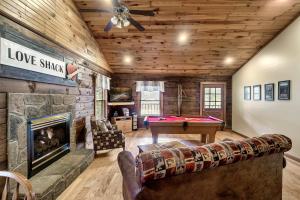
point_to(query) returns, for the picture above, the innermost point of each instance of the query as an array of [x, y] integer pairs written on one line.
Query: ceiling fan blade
[[108, 26], [142, 12], [136, 24], [96, 10]]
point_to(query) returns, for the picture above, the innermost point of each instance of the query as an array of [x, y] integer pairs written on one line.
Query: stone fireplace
[[40, 130], [48, 140]]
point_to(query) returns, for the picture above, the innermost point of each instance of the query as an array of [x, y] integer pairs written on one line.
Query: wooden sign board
[[16, 55]]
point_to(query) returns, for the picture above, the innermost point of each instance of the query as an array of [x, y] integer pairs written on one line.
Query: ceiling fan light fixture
[[126, 22], [119, 24], [122, 16], [114, 20]]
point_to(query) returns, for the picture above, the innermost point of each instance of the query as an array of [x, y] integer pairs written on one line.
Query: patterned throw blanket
[[158, 164]]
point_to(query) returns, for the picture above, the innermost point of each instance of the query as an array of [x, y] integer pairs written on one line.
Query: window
[[213, 98], [102, 84], [150, 103], [100, 102]]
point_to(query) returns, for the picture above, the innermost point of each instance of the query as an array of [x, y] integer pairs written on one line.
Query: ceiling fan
[[122, 16]]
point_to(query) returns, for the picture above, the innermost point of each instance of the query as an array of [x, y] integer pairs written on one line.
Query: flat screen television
[[120, 94]]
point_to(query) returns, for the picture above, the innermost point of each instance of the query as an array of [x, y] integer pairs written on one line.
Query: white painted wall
[[278, 61]]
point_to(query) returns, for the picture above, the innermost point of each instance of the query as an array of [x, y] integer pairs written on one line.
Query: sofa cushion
[[157, 164]]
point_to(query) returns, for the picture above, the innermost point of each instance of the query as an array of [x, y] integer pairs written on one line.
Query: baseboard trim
[[294, 158], [240, 134]]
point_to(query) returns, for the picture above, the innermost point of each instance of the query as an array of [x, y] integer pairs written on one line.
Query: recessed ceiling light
[[228, 60], [183, 38], [107, 2], [127, 59]]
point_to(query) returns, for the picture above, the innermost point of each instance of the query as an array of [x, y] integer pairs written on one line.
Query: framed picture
[[247, 93], [269, 92], [284, 90], [120, 94], [257, 92]]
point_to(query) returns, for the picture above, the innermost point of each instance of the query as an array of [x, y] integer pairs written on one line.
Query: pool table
[[206, 126]]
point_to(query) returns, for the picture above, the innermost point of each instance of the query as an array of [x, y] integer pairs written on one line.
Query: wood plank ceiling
[[218, 30]]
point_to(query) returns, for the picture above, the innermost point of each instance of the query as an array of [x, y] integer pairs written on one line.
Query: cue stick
[[179, 98]]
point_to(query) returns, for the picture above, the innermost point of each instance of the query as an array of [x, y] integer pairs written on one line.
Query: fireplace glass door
[[49, 139]]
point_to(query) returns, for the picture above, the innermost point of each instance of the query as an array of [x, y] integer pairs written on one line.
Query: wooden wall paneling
[[58, 21], [3, 100], [19, 34], [190, 85], [3, 135], [84, 105]]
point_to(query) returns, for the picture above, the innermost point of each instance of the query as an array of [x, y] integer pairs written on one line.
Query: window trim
[[104, 100], [202, 84]]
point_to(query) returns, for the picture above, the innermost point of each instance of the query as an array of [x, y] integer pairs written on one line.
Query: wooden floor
[[103, 180]]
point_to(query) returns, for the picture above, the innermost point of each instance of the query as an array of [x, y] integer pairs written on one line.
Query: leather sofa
[[246, 169]]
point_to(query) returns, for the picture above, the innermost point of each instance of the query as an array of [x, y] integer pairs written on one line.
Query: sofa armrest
[[127, 167]]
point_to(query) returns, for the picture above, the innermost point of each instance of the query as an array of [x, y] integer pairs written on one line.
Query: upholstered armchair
[[106, 136]]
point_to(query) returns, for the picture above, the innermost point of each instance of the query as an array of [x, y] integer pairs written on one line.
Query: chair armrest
[[114, 127], [118, 131], [127, 166]]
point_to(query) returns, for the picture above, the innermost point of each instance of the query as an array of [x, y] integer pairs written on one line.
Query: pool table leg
[[211, 137], [154, 138], [203, 138]]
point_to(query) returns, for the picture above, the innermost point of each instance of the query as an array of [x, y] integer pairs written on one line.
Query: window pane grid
[[212, 98]]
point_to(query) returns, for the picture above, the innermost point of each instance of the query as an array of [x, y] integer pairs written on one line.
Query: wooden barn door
[[213, 99]]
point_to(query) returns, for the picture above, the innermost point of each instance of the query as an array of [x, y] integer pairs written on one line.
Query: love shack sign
[[15, 55]]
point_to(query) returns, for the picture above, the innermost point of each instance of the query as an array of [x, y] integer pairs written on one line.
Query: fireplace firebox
[[48, 140]]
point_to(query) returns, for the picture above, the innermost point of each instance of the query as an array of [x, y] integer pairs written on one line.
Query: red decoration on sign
[[72, 71]]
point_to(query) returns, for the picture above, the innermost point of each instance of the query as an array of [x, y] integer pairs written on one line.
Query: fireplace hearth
[[48, 140]]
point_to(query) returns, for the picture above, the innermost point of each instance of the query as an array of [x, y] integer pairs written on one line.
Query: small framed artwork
[[247, 93], [257, 92], [284, 90], [269, 92]]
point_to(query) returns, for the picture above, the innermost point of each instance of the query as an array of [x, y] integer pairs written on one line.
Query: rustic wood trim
[[225, 96], [22, 74]]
